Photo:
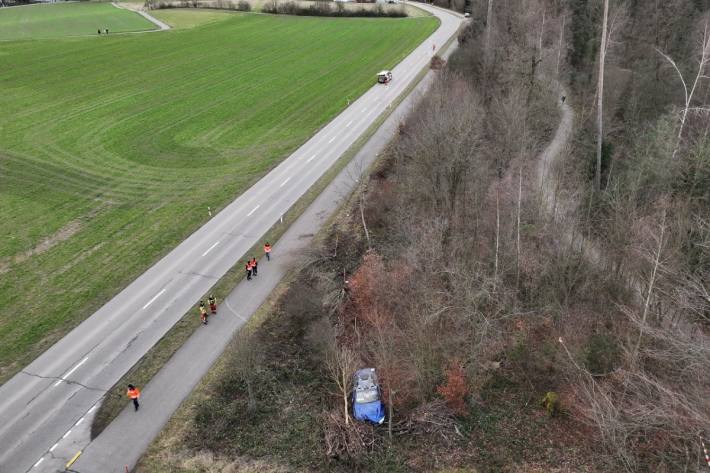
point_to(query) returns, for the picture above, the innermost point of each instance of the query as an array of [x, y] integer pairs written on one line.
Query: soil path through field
[[139, 9]]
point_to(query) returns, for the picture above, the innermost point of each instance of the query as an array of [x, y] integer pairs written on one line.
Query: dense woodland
[[522, 318]]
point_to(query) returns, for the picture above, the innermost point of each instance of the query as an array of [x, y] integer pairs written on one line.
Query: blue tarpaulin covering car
[[367, 405]]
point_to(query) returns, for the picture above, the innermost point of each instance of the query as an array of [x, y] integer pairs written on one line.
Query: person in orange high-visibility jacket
[[254, 265], [267, 251], [203, 312], [212, 301], [133, 394], [248, 268]]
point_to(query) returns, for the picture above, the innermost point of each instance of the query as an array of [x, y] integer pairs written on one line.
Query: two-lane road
[[47, 403]]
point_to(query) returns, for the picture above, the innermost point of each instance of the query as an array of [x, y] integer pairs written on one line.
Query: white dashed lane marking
[[284, 182], [53, 447], [153, 299], [38, 462], [253, 210], [67, 434], [331, 140], [70, 372], [311, 158], [210, 249]]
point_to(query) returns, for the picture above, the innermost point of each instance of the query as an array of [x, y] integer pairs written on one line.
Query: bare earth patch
[[63, 234]]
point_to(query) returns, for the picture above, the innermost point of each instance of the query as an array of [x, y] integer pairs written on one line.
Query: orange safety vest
[[267, 248], [133, 393], [253, 262], [248, 265]]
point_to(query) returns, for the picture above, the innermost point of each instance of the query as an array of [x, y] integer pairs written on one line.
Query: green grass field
[[68, 19], [111, 148]]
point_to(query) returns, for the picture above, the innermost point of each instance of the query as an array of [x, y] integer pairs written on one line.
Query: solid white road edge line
[[253, 210], [154, 298], [210, 249], [284, 182], [70, 371]]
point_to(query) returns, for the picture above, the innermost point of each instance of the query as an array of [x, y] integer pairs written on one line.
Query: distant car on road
[[367, 405], [383, 77]]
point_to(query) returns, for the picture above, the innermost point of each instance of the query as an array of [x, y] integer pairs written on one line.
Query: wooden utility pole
[[600, 100]]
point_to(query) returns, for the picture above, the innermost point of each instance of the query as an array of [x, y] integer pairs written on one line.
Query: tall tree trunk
[[344, 381], [389, 413], [495, 263], [651, 282], [489, 25], [517, 236], [559, 47], [600, 100], [542, 33]]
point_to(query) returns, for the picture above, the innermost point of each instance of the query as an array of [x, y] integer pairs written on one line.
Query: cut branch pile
[[432, 418], [347, 441]]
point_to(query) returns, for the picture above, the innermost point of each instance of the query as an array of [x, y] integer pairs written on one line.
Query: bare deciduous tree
[[600, 98], [703, 63], [246, 363], [341, 362]]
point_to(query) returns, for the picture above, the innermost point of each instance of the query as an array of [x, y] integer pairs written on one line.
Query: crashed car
[[367, 405]]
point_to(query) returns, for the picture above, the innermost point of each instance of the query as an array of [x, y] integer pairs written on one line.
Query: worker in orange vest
[[133, 394], [253, 266], [267, 250], [203, 312], [213, 304], [248, 268]]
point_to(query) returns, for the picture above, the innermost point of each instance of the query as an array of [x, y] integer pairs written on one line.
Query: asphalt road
[[46, 408]]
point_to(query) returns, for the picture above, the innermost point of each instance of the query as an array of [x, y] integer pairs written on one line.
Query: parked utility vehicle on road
[[383, 77]]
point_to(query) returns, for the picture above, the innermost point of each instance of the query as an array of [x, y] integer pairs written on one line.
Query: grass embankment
[[98, 158], [70, 19]]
